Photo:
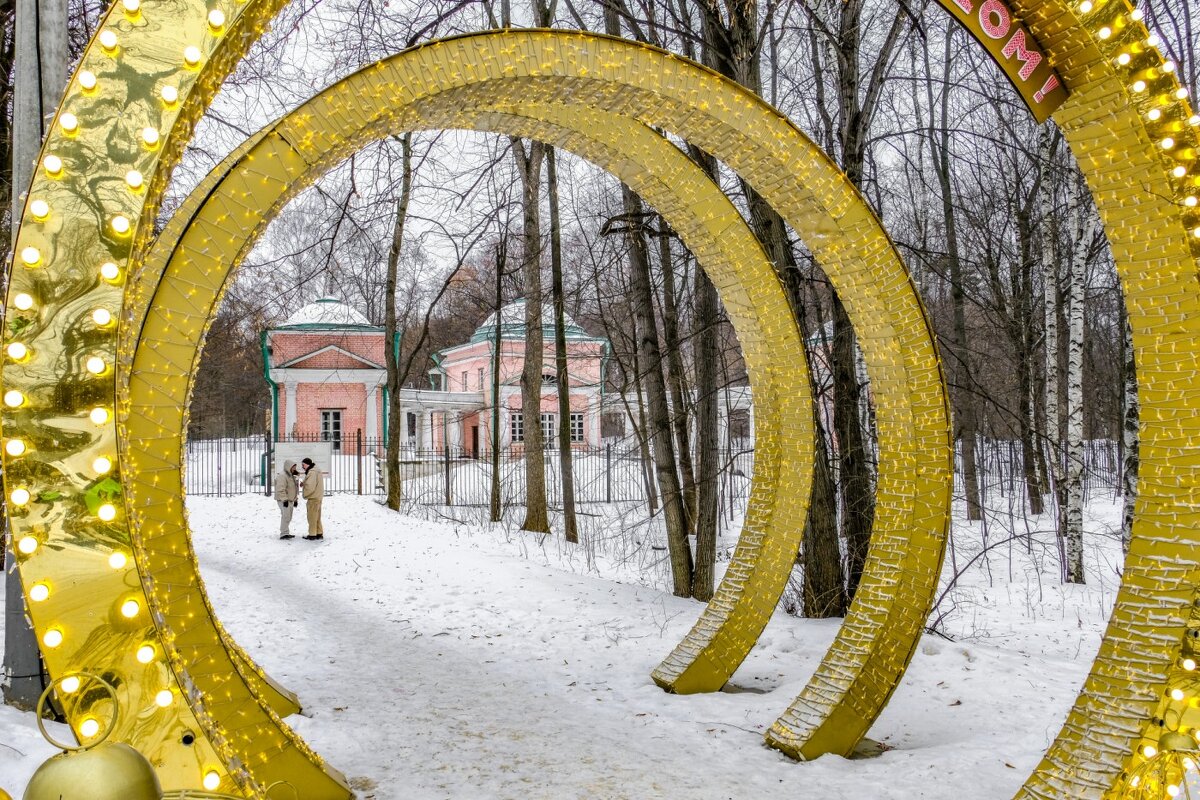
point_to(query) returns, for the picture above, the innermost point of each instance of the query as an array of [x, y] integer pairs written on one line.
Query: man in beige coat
[[287, 494], [313, 489]]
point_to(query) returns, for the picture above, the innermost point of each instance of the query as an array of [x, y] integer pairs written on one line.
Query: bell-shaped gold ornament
[[99, 771]]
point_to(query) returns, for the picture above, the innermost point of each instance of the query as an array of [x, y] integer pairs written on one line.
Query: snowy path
[[444, 662]]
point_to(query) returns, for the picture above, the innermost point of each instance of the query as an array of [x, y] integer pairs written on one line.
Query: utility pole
[[40, 75]]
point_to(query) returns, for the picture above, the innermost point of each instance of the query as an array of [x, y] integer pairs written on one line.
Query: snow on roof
[[327, 312], [512, 323]]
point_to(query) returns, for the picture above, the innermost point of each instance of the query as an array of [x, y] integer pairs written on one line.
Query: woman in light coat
[[313, 489], [287, 494]]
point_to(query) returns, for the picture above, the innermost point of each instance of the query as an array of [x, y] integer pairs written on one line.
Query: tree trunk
[[1050, 306], [1076, 292], [707, 445], [560, 354], [497, 342], [1129, 432], [676, 377], [858, 496], [537, 518], [656, 390], [395, 488]]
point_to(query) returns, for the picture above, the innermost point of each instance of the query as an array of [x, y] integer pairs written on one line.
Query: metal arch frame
[[1119, 149]]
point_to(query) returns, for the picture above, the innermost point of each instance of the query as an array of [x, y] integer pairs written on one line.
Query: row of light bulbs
[[31, 257]]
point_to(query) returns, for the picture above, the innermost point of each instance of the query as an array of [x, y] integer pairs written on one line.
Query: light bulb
[[1181, 93], [120, 224], [108, 40], [69, 122], [1167, 143], [150, 136], [30, 256], [130, 608], [39, 592], [19, 497], [1179, 172], [87, 79], [1190, 201], [216, 19], [1149, 751], [1168, 67], [192, 55], [1086, 6], [1194, 120], [1104, 32], [211, 780], [1139, 86], [89, 728], [1173, 790], [15, 447], [95, 365], [170, 95], [17, 351], [134, 179], [39, 208], [102, 316], [27, 545], [1196, 233], [145, 654], [53, 638], [164, 698], [1152, 40], [107, 512], [13, 398], [99, 416], [1176, 695], [118, 560], [1136, 15], [53, 165], [69, 685], [109, 271], [1154, 114], [132, 6], [23, 301], [102, 465], [1123, 59]]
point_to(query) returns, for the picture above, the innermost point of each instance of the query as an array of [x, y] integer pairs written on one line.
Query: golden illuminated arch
[[98, 613]]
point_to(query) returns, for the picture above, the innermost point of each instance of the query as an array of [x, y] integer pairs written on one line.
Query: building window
[[481, 379], [548, 429], [577, 427], [549, 380], [518, 426], [331, 427]]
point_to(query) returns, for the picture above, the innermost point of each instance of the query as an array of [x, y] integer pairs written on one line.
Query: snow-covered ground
[[448, 660]]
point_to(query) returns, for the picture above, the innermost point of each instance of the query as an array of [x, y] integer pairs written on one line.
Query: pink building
[[326, 368]]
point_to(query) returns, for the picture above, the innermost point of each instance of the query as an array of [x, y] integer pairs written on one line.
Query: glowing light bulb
[[15, 447], [1168, 67], [89, 728], [170, 95], [107, 512], [130, 609], [216, 19], [1136, 15], [1190, 201], [211, 780], [27, 545], [164, 698], [1139, 86], [13, 398], [102, 465], [1189, 664], [150, 136], [145, 654], [1167, 143], [99, 415], [109, 271], [118, 560], [69, 685], [1173, 790], [1176, 695], [192, 55], [1104, 32], [1124, 59], [1196, 233], [102, 316], [134, 179], [1181, 93], [1152, 40], [39, 592], [87, 79], [39, 208], [120, 224], [30, 256], [19, 497], [1154, 114], [69, 122], [1149, 751], [1194, 120], [53, 165], [132, 6], [95, 365], [1086, 6], [1179, 171], [23, 301], [17, 351], [108, 40], [52, 638]]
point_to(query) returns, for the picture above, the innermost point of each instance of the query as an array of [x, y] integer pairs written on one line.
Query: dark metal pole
[[608, 472], [359, 460], [446, 462]]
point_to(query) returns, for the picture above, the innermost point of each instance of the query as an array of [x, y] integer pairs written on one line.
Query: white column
[[372, 410], [425, 429], [454, 428], [290, 415]]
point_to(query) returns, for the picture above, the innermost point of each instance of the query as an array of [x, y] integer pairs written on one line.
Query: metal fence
[[611, 473]]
